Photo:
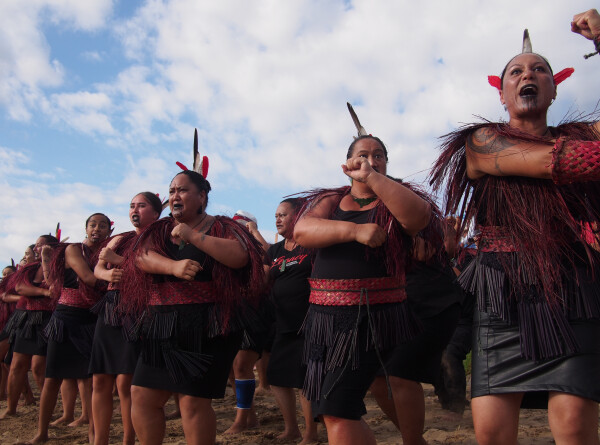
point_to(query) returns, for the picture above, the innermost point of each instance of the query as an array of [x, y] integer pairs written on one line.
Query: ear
[[501, 93]]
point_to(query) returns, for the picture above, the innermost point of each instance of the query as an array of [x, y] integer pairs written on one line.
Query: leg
[[85, 392], [261, 368], [148, 415], [348, 432], [27, 392], [47, 405], [310, 426], [573, 420], [124, 388], [102, 406], [379, 390], [198, 420], [38, 369], [496, 418], [68, 394], [409, 402], [286, 400], [243, 369], [177, 413], [16, 382], [4, 346]]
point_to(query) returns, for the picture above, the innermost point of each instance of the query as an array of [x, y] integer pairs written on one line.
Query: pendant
[[364, 201], [282, 267]]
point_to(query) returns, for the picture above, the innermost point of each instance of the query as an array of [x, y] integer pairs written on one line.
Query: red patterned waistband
[[40, 304], [495, 239], [353, 292], [74, 298], [183, 292]]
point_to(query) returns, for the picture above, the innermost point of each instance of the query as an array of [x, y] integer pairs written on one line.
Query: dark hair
[[153, 200], [31, 246], [368, 136], [199, 181], [508, 63], [295, 203], [52, 240], [11, 267], [96, 214]]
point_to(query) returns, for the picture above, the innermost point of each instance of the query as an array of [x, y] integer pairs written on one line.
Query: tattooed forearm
[[486, 141]]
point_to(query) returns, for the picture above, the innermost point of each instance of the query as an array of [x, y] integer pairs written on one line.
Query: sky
[[100, 98]]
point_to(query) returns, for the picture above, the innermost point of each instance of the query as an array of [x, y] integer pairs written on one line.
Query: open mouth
[[528, 91], [177, 206]]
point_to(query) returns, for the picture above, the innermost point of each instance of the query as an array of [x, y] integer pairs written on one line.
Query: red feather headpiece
[[199, 166]]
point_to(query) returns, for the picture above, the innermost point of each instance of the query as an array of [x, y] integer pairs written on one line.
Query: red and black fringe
[[544, 222]]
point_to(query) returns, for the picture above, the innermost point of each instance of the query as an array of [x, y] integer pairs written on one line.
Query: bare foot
[[309, 440], [61, 421], [79, 422], [40, 438], [290, 435], [238, 427], [29, 400], [6, 413]]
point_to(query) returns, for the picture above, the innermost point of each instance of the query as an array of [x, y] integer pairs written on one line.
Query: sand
[[441, 427]]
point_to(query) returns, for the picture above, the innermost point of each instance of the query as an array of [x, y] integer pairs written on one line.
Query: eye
[[515, 71], [540, 68]]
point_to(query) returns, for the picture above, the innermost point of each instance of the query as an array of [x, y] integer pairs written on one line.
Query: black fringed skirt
[[184, 351], [69, 332], [24, 330], [525, 345], [344, 346]]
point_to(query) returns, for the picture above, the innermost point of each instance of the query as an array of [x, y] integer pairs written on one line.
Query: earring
[[505, 109]]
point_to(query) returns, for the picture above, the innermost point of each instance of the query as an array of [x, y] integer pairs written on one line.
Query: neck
[[361, 190], [195, 221], [93, 246], [536, 126]]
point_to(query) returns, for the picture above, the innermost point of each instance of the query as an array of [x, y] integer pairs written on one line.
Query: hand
[[46, 253], [252, 227], [370, 235], [115, 275], [587, 24], [358, 169], [182, 232], [109, 255], [48, 292], [186, 269]]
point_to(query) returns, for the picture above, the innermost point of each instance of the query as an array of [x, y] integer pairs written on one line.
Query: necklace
[[363, 201]]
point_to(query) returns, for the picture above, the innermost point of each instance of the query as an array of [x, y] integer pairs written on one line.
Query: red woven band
[[353, 292], [495, 239], [575, 161], [183, 292], [40, 304], [72, 297]]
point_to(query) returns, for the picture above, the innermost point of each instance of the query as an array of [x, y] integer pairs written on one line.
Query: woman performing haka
[[25, 327], [113, 356], [358, 312], [533, 191], [68, 269], [201, 266]]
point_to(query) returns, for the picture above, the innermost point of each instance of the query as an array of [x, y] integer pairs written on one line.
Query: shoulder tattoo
[[486, 141]]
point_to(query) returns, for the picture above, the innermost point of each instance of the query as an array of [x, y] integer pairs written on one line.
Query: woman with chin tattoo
[[533, 192], [113, 356], [200, 267], [68, 269]]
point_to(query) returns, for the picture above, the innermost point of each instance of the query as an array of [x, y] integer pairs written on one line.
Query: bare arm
[[253, 229], [229, 252], [29, 290], [107, 255], [74, 259], [490, 154], [10, 298], [153, 263]]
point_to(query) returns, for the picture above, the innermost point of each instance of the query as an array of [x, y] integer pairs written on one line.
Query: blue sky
[[98, 99]]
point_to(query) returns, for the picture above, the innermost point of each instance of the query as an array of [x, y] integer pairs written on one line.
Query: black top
[[190, 252], [71, 279], [289, 272], [349, 260]]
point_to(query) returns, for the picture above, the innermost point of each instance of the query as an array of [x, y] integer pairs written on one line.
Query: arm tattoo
[[486, 141]]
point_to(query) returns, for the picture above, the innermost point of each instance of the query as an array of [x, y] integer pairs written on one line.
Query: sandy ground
[[441, 427]]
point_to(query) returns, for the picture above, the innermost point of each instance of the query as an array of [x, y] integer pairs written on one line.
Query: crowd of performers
[[360, 295]]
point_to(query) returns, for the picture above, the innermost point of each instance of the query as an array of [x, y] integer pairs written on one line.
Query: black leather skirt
[[498, 368]]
